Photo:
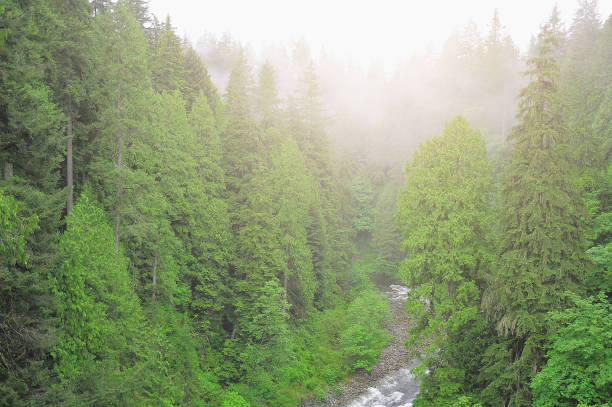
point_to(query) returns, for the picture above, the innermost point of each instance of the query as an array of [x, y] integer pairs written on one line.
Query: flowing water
[[398, 388]]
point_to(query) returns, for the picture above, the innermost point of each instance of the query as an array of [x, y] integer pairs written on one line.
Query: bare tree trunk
[[69, 166], [285, 276], [8, 170], [119, 162], [286, 279], [155, 262], [503, 124], [234, 329], [155, 272]]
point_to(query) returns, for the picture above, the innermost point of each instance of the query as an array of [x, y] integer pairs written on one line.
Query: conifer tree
[[169, 61], [287, 195], [197, 79], [122, 103], [20, 299], [578, 86], [266, 98], [31, 145], [99, 315], [386, 236], [208, 237], [328, 233], [444, 218], [72, 54], [542, 243]]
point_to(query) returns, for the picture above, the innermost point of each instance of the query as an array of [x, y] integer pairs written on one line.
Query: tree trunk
[[234, 329], [8, 170], [285, 276], [69, 166], [119, 162], [286, 279], [155, 272]]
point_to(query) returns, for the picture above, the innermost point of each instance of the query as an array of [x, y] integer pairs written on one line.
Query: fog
[[391, 76]]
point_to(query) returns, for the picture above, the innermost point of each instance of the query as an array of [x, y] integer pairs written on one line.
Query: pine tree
[[169, 61], [578, 86], [72, 57], [20, 295], [99, 315], [386, 236], [208, 235], [197, 79], [286, 193], [542, 243], [363, 204], [122, 103], [266, 98], [328, 233], [31, 142]]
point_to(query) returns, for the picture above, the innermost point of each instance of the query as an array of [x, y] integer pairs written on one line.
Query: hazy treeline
[[382, 116]]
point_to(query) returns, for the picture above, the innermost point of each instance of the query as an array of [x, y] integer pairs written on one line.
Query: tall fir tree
[[542, 242]]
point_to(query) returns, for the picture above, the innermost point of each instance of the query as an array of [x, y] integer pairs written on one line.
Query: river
[[389, 383]]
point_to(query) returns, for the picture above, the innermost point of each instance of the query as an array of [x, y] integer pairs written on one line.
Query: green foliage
[[15, 340], [543, 232], [15, 230], [386, 236], [444, 217], [361, 341], [231, 278], [233, 399], [334, 342], [100, 318], [578, 369], [363, 204], [169, 62], [31, 124]]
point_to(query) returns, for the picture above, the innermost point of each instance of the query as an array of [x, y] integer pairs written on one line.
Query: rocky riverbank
[[393, 358]]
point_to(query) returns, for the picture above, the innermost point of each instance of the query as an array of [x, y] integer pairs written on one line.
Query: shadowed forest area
[[200, 224]]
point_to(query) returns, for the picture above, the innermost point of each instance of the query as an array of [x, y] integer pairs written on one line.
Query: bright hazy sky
[[359, 30]]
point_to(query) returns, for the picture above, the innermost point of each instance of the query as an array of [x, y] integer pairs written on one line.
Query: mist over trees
[[199, 224]]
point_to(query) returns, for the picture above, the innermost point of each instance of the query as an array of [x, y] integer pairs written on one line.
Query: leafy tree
[[363, 339], [577, 371]]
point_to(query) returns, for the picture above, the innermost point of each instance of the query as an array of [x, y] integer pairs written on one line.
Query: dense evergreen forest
[[188, 225]]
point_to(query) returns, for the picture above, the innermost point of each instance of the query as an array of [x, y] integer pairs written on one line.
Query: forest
[[192, 224]]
